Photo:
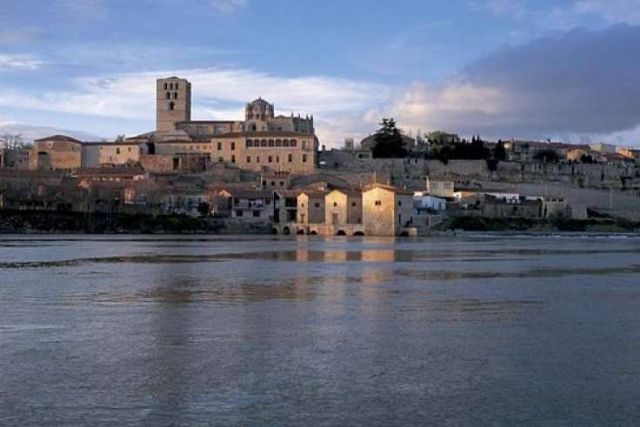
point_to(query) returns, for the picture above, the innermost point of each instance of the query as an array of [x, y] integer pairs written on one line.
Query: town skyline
[[501, 69]]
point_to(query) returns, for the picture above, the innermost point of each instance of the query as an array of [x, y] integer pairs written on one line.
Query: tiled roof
[[59, 138]]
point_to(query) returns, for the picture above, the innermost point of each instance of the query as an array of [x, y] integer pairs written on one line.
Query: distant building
[[440, 188], [604, 148], [57, 152]]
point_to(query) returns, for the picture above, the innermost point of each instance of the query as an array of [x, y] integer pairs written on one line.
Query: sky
[[528, 69]]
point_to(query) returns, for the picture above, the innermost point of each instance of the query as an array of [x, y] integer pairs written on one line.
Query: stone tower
[[173, 103]]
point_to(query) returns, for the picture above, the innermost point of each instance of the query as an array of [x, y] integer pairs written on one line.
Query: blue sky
[[502, 68]]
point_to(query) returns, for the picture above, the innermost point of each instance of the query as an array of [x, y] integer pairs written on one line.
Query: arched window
[[271, 143], [263, 143], [177, 87], [294, 143], [171, 86], [165, 86], [175, 95], [278, 143], [168, 95], [172, 106]]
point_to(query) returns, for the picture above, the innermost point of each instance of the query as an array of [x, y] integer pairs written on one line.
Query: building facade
[[386, 210]]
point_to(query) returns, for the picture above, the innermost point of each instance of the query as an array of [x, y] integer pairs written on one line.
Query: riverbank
[[52, 222], [599, 225]]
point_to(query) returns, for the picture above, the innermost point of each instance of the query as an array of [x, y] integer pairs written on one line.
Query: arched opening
[[300, 232], [313, 233], [341, 233], [172, 106], [359, 233], [274, 231], [286, 231], [404, 234]]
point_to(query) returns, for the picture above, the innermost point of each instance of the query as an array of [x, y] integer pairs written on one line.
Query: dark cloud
[[578, 82]]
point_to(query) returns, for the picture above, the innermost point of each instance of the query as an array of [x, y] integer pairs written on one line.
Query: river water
[[471, 330]]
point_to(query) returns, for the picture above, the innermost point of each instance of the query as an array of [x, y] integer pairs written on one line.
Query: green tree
[[389, 142], [204, 209], [499, 152], [546, 156]]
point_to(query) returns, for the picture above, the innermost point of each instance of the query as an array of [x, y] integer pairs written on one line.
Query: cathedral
[[263, 140]]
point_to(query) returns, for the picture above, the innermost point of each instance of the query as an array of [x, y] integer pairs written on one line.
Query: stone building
[[111, 153], [289, 152], [343, 207], [386, 210], [249, 204], [262, 141], [173, 103], [311, 207], [57, 152]]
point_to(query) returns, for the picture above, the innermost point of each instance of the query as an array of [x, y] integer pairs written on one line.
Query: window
[[258, 159], [317, 205], [335, 204], [281, 183], [165, 86], [171, 106], [378, 203], [263, 143], [233, 159], [219, 146], [399, 202], [177, 87], [278, 143], [220, 159], [248, 159], [277, 159], [249, 143], [304, 158], [271, 143], [256, 214], [273, 183], [118, 151], [294, 143], [171, 86], [238, 212], [168, 95], [270, 159], [175, 95], [233, 146], [285, 143], [290, 158], [129, 149]]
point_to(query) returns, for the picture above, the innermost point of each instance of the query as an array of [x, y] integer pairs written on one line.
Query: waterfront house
[[386, 210]]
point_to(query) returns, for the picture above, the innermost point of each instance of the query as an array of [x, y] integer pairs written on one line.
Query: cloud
[[572, 14], [217, 94], [567, 84], [87, 9], [30, 133], [19, 63], [19, 36], [228, 6]]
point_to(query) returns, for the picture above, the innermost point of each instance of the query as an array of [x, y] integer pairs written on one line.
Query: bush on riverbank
[[103, 223], [475, 223]]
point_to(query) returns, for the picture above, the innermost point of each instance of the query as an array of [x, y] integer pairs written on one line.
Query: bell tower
[[173, 103]]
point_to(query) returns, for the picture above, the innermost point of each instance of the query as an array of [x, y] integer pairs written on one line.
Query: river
[[182, 330]]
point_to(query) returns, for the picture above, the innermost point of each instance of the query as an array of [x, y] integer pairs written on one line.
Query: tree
[[499, 152], [546, 156], [204, 209], [389, 142]]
